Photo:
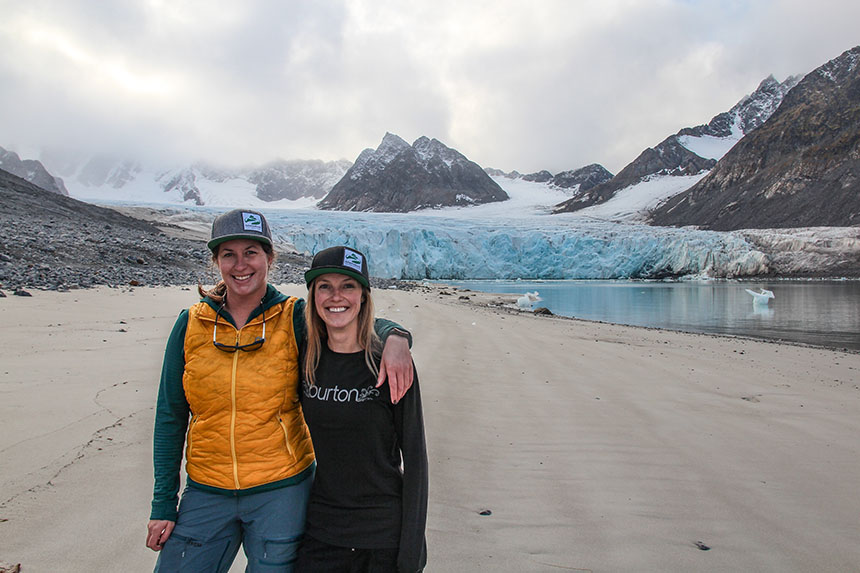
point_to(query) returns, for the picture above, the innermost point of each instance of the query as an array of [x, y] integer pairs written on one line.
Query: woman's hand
[[158, 532], [396, 365]]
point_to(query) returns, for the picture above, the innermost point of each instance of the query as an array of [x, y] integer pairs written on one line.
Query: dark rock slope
[[671, 157], [50, 241], [800, 169], [31, 170], [582, 179]]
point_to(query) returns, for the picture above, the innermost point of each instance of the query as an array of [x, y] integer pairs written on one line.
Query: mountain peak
[[799, 169], [32, 171], [841, 68], [398, 177], [692, 150]]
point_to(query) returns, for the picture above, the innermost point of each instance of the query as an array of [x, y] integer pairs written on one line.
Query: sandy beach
[[594, 447]]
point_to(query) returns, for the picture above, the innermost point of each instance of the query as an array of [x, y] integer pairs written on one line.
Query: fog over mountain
[[103, 177]]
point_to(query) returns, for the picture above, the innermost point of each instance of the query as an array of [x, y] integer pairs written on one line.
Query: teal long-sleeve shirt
[[172, 410]]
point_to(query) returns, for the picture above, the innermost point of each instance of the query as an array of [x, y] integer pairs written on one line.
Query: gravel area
[[52, 242]]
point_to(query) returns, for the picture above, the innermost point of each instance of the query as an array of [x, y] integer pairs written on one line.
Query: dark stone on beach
[[543, 310], [485, 512], [702, 546], [2, 294], [22, 292]]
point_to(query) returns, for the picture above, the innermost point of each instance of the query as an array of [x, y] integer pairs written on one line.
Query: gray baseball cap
[[239, 224]]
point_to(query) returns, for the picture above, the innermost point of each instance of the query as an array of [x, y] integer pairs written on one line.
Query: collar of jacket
[[272, 297]]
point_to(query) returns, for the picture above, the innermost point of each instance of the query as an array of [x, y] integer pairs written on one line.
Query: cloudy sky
[[512, 84]]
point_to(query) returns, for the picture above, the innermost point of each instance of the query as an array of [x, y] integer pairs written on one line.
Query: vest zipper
[[191, 433], [233, 416], [286, 436]]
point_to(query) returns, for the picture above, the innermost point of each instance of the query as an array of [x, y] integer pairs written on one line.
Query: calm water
[[825, 313]]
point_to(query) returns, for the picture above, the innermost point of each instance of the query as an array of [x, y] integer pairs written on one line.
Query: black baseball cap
[[340, 260], [239, 224]]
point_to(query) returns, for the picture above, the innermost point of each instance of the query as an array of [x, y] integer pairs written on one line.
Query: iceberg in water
[[762, 297], [527, 300]]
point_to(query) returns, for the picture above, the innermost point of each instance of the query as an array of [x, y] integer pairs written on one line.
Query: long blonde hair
[[317, 333]]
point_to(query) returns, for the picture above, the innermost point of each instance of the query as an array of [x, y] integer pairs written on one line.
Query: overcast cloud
[[548, 84]]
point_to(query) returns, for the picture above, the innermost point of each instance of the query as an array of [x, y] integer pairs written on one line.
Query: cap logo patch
[[352, 259], [252, 222]]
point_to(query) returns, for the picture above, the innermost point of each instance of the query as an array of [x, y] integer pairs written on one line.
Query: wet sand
[[592, 446]]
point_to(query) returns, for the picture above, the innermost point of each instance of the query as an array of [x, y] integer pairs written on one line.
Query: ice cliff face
[[418, 247], [398, 177], [691, 151]]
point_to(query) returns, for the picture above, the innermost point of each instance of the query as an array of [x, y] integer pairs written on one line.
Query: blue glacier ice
[[419, 246]]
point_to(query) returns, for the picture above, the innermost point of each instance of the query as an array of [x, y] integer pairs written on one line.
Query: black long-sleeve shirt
[[362, 497]]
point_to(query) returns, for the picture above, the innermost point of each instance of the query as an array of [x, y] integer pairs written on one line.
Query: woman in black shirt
[[368, 505]]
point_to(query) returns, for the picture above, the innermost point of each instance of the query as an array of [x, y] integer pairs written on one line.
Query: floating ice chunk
[[528, 299], [761, 297]]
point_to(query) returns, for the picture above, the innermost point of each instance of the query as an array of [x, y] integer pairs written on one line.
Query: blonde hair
[[317, 333], [219, 292]]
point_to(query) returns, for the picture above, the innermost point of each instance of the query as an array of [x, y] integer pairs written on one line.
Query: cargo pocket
[[278, 554], [183, 554]]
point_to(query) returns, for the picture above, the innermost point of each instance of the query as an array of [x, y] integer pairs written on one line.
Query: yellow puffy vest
[[247, 427]]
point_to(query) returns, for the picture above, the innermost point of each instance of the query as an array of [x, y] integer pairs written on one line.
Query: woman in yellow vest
[[232, 366]]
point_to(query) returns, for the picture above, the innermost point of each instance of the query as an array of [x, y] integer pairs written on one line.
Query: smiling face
[[244, 267], [337, 300]]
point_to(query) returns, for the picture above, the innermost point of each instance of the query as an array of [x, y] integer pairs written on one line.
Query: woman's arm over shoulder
[[409, 423], [171, 423], [396, 363], [385, 328]]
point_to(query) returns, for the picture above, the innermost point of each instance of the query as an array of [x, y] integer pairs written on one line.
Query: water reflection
[[825, 313], [763, 311]]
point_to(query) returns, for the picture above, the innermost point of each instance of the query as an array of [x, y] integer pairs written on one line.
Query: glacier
[[418, 247], [519, 239], [514, 239]]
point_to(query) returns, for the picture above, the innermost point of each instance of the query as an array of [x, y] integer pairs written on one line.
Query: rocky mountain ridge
[[675, 156], [397, 177], [32, 171], [812, 150], [581, 179], [749, 113], [801, 168]]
